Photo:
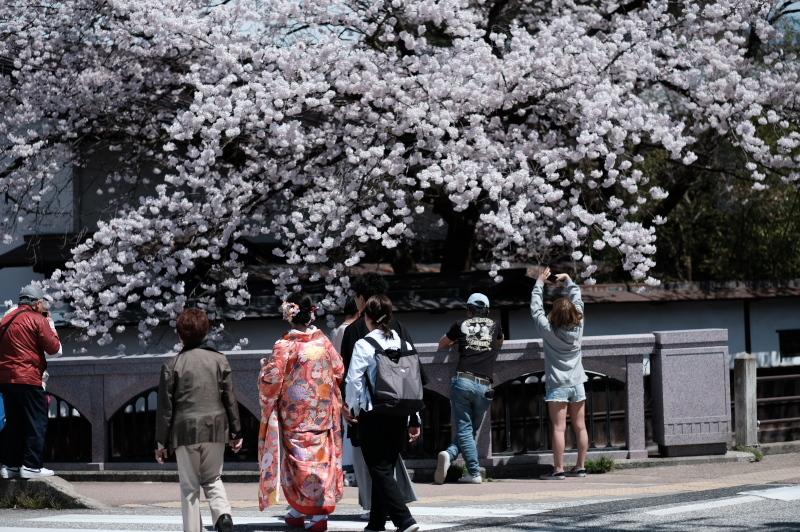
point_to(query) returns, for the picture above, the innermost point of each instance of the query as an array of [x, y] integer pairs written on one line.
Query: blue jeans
[[469, 406]]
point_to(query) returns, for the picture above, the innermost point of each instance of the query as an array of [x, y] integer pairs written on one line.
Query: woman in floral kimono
[[299, 388]]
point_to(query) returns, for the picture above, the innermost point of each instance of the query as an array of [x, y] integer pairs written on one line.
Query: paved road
[[738, 496]]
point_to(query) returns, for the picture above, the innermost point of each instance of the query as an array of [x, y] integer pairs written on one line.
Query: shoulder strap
[[374, 343], [3, 333], [407, 347]]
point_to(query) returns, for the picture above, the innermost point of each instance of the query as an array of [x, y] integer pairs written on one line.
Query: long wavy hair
[[565, 315]]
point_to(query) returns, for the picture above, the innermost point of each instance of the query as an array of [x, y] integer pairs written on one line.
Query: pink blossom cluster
[[327, 125]]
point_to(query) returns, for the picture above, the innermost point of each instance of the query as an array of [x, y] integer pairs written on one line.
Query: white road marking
[[463, 512], [126, 519], [332, 525], [719, 503], [457, 512], [786, 493], [24, 529], [271, 521]]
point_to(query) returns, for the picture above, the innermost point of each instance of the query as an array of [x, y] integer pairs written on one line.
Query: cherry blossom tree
[[334, 125]]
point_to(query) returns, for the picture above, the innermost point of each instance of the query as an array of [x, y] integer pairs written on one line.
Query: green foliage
[[752, 450], [35, 501], [604, 464], [719, 228]]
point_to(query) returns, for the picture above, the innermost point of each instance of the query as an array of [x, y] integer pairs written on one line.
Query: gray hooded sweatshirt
[[562, 347]]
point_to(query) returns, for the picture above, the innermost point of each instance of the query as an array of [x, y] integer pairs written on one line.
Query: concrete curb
[[149, 476], [783, 447], [417, 474], [54, 489], [727, 458], [426, 474], [534, 470]]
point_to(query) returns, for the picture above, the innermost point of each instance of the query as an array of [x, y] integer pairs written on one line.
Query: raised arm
[[49, 341], [537, 302], [574, 293]]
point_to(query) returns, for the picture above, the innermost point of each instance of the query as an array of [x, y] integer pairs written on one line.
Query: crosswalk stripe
[[463, 512], [719, 503], [26, 529], [165, 520], [455, 511], [786, 493], [333, 525], [266, 520]]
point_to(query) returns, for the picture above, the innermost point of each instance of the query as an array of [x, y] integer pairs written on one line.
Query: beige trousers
[[200, 465]]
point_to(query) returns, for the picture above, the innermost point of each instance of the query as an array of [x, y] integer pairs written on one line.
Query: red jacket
[[23, 347]]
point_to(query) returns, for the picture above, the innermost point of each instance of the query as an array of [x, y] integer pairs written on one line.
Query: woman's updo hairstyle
[[298, 309], [379, 310]]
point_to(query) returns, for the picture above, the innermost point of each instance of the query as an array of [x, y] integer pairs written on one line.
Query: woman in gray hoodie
[[562, 331]]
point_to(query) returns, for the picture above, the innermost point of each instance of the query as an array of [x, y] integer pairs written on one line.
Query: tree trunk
[[402, 261], [460, 240]]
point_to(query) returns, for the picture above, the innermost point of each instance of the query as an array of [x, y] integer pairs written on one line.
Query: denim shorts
[[572, 394]]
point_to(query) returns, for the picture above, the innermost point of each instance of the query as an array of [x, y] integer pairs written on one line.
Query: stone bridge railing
[[689, 383]]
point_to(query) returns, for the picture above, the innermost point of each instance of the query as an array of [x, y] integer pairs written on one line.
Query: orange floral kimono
[[300, 438]]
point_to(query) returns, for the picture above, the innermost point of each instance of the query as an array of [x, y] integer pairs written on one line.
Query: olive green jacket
[[196, 401]]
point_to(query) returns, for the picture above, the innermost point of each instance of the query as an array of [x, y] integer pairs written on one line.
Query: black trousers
[[381, 439], [26, 423]]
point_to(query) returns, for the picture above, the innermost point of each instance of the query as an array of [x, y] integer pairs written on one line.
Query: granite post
[[634, 403], [744, 392], [690, 381]]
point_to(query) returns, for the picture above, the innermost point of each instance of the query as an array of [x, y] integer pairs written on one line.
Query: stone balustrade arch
[[100, 386]]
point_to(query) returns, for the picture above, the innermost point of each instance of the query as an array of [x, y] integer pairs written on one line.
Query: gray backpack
[[398, 386]]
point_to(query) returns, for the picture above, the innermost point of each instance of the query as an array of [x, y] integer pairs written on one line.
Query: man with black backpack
[[479, 339], [383, 386]]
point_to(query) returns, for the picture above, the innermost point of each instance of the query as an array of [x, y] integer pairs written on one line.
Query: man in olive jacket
[[197, 415]]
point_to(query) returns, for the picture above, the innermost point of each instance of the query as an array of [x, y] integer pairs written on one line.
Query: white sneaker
[[469, 479], [442, 465], [350, 480], [364, 517], [9, 472], [27, 472]]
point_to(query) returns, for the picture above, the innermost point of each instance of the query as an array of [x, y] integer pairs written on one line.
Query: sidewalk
[[685, 476]]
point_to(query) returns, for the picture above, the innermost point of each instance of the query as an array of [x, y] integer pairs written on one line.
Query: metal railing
[[436, 433], [521, 421], [778, 414], [132, 432], [69, 434]]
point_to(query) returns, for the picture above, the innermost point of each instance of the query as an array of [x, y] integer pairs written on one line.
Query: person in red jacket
[[27, 335]]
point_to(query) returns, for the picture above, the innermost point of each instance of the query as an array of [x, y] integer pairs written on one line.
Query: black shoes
[[408, 526], [224, 523]]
